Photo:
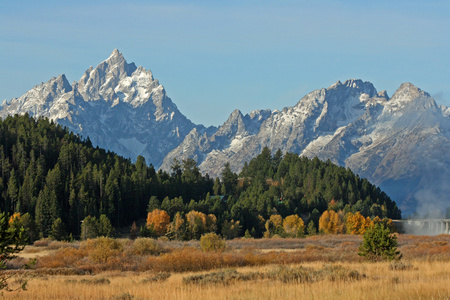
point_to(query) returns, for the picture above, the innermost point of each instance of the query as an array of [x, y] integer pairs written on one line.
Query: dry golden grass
[[424, 273], [426, 280]]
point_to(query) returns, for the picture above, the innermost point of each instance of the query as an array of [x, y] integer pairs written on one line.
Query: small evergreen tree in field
[[379, 244]]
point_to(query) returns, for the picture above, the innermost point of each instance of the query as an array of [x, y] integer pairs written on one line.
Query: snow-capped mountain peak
[[409, 97], [99, 83], [120, 107]]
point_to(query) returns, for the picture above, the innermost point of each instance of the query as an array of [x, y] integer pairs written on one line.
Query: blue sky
[[215, 56]]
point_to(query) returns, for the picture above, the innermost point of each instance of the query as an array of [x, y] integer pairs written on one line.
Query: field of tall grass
[[318, 267]]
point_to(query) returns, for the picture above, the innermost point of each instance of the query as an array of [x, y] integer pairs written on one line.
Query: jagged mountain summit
[[400, 144], [119, 106]]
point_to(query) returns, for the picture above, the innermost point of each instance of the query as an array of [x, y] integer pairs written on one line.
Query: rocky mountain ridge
[[400, 144], [119, 106]]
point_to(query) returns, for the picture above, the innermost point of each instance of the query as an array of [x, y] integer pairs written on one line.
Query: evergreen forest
[[56, 180]]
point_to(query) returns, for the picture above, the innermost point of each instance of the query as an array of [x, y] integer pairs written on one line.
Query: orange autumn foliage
[[356, 223], [331, 222], [14, 218], [160, 221], [293, 226]]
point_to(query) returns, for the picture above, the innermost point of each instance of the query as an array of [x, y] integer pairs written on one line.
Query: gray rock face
[[119, 106], [401, 144]]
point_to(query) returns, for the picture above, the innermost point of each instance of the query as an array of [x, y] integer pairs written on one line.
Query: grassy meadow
[[317, 267]]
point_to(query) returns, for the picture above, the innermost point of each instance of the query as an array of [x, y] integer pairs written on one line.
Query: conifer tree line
[[55, 180]]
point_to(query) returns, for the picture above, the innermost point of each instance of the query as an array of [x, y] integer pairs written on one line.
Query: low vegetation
[[313, 267], [312, 280]]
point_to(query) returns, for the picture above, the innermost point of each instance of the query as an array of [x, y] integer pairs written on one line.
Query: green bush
[[379, 244], [212, 242]]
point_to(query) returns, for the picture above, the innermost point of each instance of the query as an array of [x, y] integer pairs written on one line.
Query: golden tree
[[159, 220], [199, 223], [293, 226], [274, 226], [356, 223], [177, 228], [386, 222], [331, 222]]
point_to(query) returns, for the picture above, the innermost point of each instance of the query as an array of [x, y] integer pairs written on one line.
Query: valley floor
[[333, 272]]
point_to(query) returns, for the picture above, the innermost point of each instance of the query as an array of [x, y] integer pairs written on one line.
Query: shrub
[[163, 276], [54, 245], [64, 257], [96, 281], [379, 244], [102, 248], [146, 246], [212, 242], [400, 266], [185, 260], [42, 242], [220, 277]]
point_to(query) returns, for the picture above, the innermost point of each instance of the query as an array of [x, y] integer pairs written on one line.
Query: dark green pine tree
[[153, 204], [46, 211], [229, 180], [59, 232], [13, 192]]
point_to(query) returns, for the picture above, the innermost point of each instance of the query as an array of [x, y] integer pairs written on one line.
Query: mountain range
[[400, 143]]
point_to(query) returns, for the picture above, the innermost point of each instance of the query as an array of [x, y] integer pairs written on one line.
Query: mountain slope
[[400, 144]]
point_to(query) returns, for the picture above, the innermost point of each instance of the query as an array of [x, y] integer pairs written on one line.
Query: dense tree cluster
[[52, 175], [58, 182]]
